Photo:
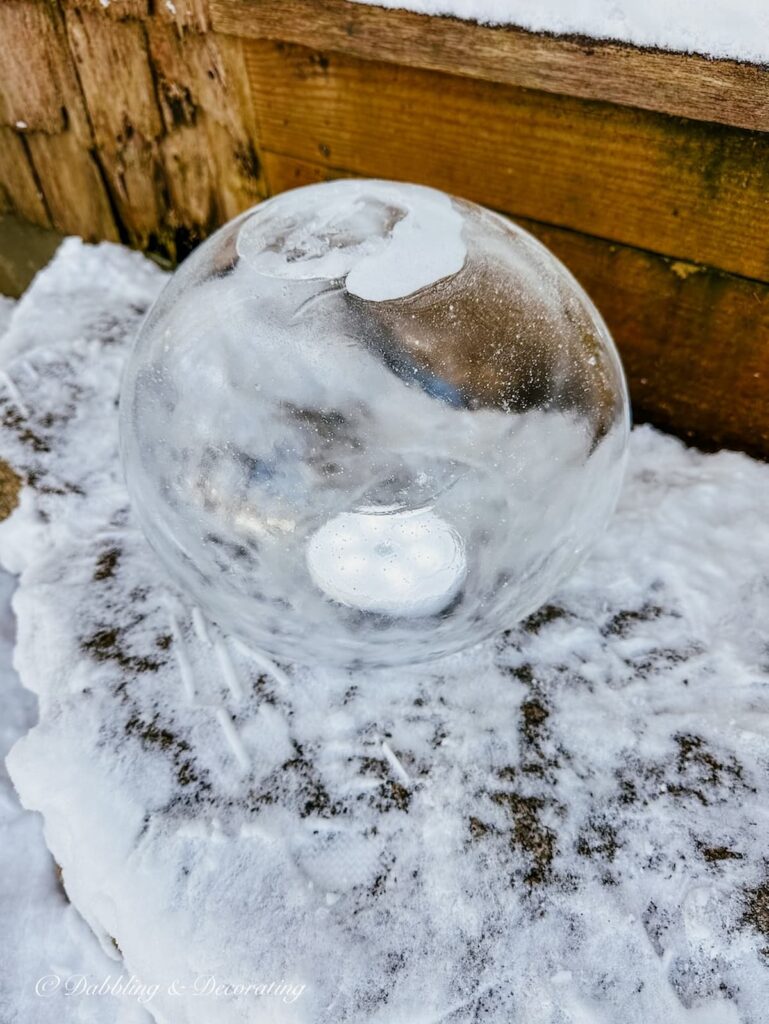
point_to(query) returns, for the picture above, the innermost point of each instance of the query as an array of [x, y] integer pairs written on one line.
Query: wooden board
[[19, 188], [38, 85], [114, 71], [695, 342], [679, 188], [76, 197], [691, 86]]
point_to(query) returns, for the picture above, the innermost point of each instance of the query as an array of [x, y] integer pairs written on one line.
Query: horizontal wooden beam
[[686, 85], [694, 342], [684, 189]]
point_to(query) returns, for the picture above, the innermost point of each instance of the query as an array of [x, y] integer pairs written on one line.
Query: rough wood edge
[[685, 85]]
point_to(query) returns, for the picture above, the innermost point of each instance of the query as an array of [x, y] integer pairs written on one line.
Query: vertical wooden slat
[[113, 66], [210, 133], [38, 88], [74, 190], [192, 14], [19, 191]]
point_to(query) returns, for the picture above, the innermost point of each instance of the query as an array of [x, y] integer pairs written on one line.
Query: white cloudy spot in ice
[[398, 239], [392, 563]]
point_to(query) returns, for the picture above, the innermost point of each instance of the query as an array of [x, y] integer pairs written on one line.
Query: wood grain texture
[[114, 70], [112, 9], [38, 85], [19, 190], [184, 13], [677, 187], [113, 66], [690, 86], [210, 158], [75, 194], [694, 342], [174, 131], [195, 72]]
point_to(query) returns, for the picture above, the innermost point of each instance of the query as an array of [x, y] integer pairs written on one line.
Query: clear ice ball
[[367, 423]]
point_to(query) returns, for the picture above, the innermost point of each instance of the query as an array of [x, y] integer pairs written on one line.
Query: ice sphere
[[367, 423]]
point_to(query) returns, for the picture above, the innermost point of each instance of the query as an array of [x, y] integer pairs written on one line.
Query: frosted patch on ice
[[395, 240], [566, 824]]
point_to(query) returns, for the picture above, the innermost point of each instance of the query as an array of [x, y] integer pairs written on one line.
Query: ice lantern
[[368, 423]]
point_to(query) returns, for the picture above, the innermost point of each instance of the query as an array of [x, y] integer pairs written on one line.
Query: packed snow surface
[[718, 28], [565, 825], [41, 934]]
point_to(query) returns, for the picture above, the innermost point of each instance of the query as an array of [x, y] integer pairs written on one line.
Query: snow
[[41, 935], [717, 28], [401, 237], [565, 824]]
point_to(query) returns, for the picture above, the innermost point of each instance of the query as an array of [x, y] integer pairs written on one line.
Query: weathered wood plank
[[237, 171], [191, 184], [209, 150], [75, 194], [111, 8], [38, 87], [19, 190], [677, 187], [695, 342], [682, 84], [113, 65], [184, 13], [196, 72], [136, 179], [211, 178]]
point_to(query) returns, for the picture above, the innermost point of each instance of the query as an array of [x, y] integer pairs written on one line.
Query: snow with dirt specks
[[567, 824]]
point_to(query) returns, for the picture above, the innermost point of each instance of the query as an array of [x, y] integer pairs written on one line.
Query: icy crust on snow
[[738, 29], [567, 824]]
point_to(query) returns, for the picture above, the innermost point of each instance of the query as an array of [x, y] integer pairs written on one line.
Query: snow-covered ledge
[[736, 29]]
